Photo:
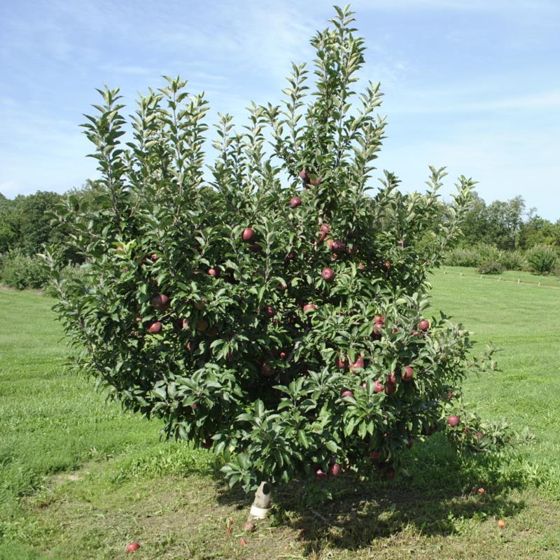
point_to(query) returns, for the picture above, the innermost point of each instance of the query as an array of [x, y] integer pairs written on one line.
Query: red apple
[[390, 388], [340, 363], [328, 274], [379, 319], [320, 474], [375, 455], [214, 272], [325, 228], [266, 370], [377, 329], [295, 201], [154, 257], [424, 325], [346, 394], [132, 547], [358, 364], [453, 421], [309, 307], [283, 355], [160, 301], [155, 327], [248, 234], [387, 265], [407, 373], [378, 386], [335, 469], [392, 378], [389, 472], [338, 247], [269, 311], [304, 176], [181, 324]]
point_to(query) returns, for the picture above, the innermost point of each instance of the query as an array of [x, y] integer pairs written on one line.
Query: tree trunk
[[262, 502]]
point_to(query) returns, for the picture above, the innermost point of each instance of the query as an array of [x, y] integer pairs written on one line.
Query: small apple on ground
[[132, 547]]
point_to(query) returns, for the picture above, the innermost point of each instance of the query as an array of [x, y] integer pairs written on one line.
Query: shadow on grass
[[435, 492]]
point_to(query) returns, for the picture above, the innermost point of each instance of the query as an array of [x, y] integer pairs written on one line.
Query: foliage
[[25, 222], [513, 260], [271, 312], [542, 259], [498, 223], [538, 231], [479, 254], [21, 271], [490, 267]]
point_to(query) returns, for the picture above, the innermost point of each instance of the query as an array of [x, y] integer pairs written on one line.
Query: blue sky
[[470, 84]]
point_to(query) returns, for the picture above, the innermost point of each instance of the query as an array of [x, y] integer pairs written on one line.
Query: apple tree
[[269, 302]]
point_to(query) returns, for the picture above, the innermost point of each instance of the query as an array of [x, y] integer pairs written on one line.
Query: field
[[80, 478]]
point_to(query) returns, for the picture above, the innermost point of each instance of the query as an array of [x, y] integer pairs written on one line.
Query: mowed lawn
[[80, 478]]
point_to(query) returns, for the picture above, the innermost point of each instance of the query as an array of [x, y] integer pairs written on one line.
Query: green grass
[[79, 478]]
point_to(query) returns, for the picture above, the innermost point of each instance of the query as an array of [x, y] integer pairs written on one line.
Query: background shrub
[[463, 256], [513, 260], [542, 259], [491, 267], [20, 271]]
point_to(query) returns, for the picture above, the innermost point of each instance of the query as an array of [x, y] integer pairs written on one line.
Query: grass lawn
[[79, 478]]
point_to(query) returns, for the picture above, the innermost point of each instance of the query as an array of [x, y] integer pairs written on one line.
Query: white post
[[262, 502]]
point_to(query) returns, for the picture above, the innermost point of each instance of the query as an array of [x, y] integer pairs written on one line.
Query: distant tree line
[[27, 225], [507, 225]]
